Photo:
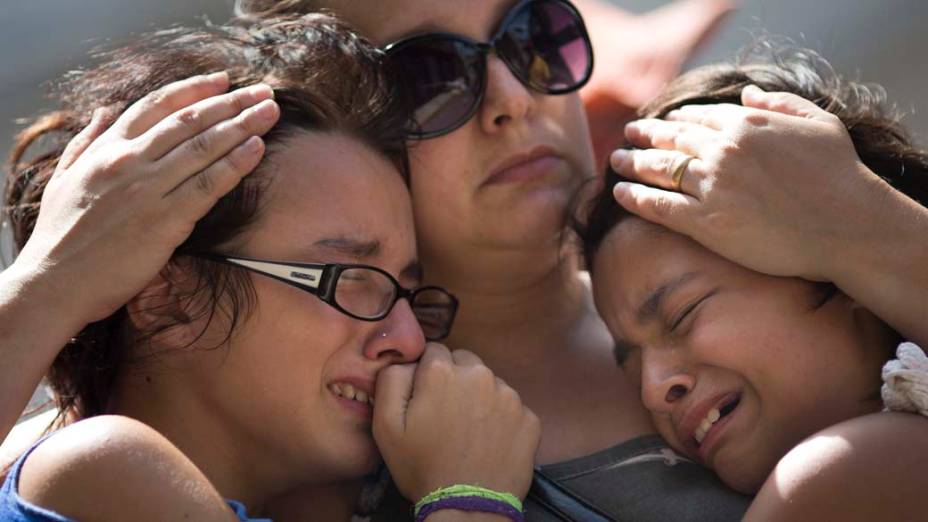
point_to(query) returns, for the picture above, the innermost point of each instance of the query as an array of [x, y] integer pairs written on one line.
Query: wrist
[[466, 498], [36, 303], [881, 233]]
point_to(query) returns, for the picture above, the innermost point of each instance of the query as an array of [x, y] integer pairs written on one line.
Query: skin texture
[[132, 175], [265, 398], [763, 173], [524, 309], [797, 362]]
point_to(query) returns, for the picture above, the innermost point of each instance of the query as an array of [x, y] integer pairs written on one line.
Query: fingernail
[[219, 78], [618, 157], [620, 190], [260, 91], [752, 90], [253, 145], [266, 110]]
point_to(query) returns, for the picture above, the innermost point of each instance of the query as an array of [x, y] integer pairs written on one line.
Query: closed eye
[[688, 310]]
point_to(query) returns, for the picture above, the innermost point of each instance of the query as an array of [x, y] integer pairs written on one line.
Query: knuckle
[[437, 367], [661, 207], [200, 144], [238, 102], [482, 374], [204, 182], [532, 422], [190, 119], [155, 98], [664, 163]]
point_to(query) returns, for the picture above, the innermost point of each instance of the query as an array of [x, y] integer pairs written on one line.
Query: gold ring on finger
[[676, 177]]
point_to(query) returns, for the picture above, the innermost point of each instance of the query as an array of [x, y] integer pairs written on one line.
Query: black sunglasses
[[442, 76], [363, 292]]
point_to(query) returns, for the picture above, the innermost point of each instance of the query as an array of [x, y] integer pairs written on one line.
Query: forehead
[[384, 21], [637, 257], [324, 186]]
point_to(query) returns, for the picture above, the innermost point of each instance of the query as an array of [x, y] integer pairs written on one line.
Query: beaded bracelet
[[469, 498]]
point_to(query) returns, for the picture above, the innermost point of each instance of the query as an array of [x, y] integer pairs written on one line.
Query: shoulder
[[100, 468], [868, 468]]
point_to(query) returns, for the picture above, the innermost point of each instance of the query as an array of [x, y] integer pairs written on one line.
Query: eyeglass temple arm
[[306, 277]]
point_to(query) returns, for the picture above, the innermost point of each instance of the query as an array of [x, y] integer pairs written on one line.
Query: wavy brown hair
[[326, 78], [875, 127]]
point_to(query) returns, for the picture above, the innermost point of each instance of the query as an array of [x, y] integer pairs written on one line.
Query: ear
[[159, 311]]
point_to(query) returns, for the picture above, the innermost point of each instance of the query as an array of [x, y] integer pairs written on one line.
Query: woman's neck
[[514, 304]]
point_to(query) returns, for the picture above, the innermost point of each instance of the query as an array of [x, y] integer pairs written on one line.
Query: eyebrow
[[354, 248], [364, 251], [652, 304]]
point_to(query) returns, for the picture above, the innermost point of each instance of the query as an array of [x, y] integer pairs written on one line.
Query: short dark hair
[[326, 78], [882, 143]]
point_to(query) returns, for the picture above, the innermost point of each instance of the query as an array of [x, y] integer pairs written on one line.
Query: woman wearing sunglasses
[[224, 337], [502, 147]]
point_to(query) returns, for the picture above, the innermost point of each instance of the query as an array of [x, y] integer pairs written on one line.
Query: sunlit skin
[[457, 205], [497, 245], [259, 416], [796, 359]]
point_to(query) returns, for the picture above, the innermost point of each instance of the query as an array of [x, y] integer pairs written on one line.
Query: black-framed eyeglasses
[[363, 292], [443, 76]]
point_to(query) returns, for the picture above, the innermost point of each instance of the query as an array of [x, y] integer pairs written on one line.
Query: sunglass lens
[[441, 79], [546, 44]]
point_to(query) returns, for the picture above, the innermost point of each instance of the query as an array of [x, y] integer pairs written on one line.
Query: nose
[[397, 338], [664, 380], [506, 100]]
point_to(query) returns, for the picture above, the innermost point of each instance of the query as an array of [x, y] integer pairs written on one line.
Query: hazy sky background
[[877, 40]]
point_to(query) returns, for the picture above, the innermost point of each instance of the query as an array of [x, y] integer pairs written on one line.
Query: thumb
[[784, 103]]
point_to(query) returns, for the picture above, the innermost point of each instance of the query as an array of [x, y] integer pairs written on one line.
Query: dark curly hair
[[882, 143], [325, 78]]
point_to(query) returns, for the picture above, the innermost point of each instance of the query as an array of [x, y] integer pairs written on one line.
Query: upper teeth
[[706, 424], [350, 392]]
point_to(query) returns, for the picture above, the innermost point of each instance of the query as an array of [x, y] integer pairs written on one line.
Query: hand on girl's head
[[126, 196], [448, 420]]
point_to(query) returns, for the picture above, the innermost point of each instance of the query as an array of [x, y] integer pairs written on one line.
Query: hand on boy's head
[[762, 174], [777, 358], [448, 420]]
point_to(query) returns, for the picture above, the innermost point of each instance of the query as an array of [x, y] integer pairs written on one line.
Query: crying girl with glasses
[[778, 384], [229, 339]]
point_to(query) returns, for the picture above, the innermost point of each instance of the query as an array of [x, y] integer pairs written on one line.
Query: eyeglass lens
[[371, 294]]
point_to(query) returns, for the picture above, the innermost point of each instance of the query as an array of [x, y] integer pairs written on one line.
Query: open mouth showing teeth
[[714, 415], [348, 391]]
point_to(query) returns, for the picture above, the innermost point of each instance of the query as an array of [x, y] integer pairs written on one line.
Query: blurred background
[[873, 41]]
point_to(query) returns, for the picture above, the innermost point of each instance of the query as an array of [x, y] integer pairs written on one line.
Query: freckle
[[148, 379]]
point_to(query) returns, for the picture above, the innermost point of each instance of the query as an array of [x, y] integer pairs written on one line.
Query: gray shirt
[[640, 480]]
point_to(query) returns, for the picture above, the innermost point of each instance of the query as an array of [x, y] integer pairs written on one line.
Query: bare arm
[[114, 468], [868, 468]]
